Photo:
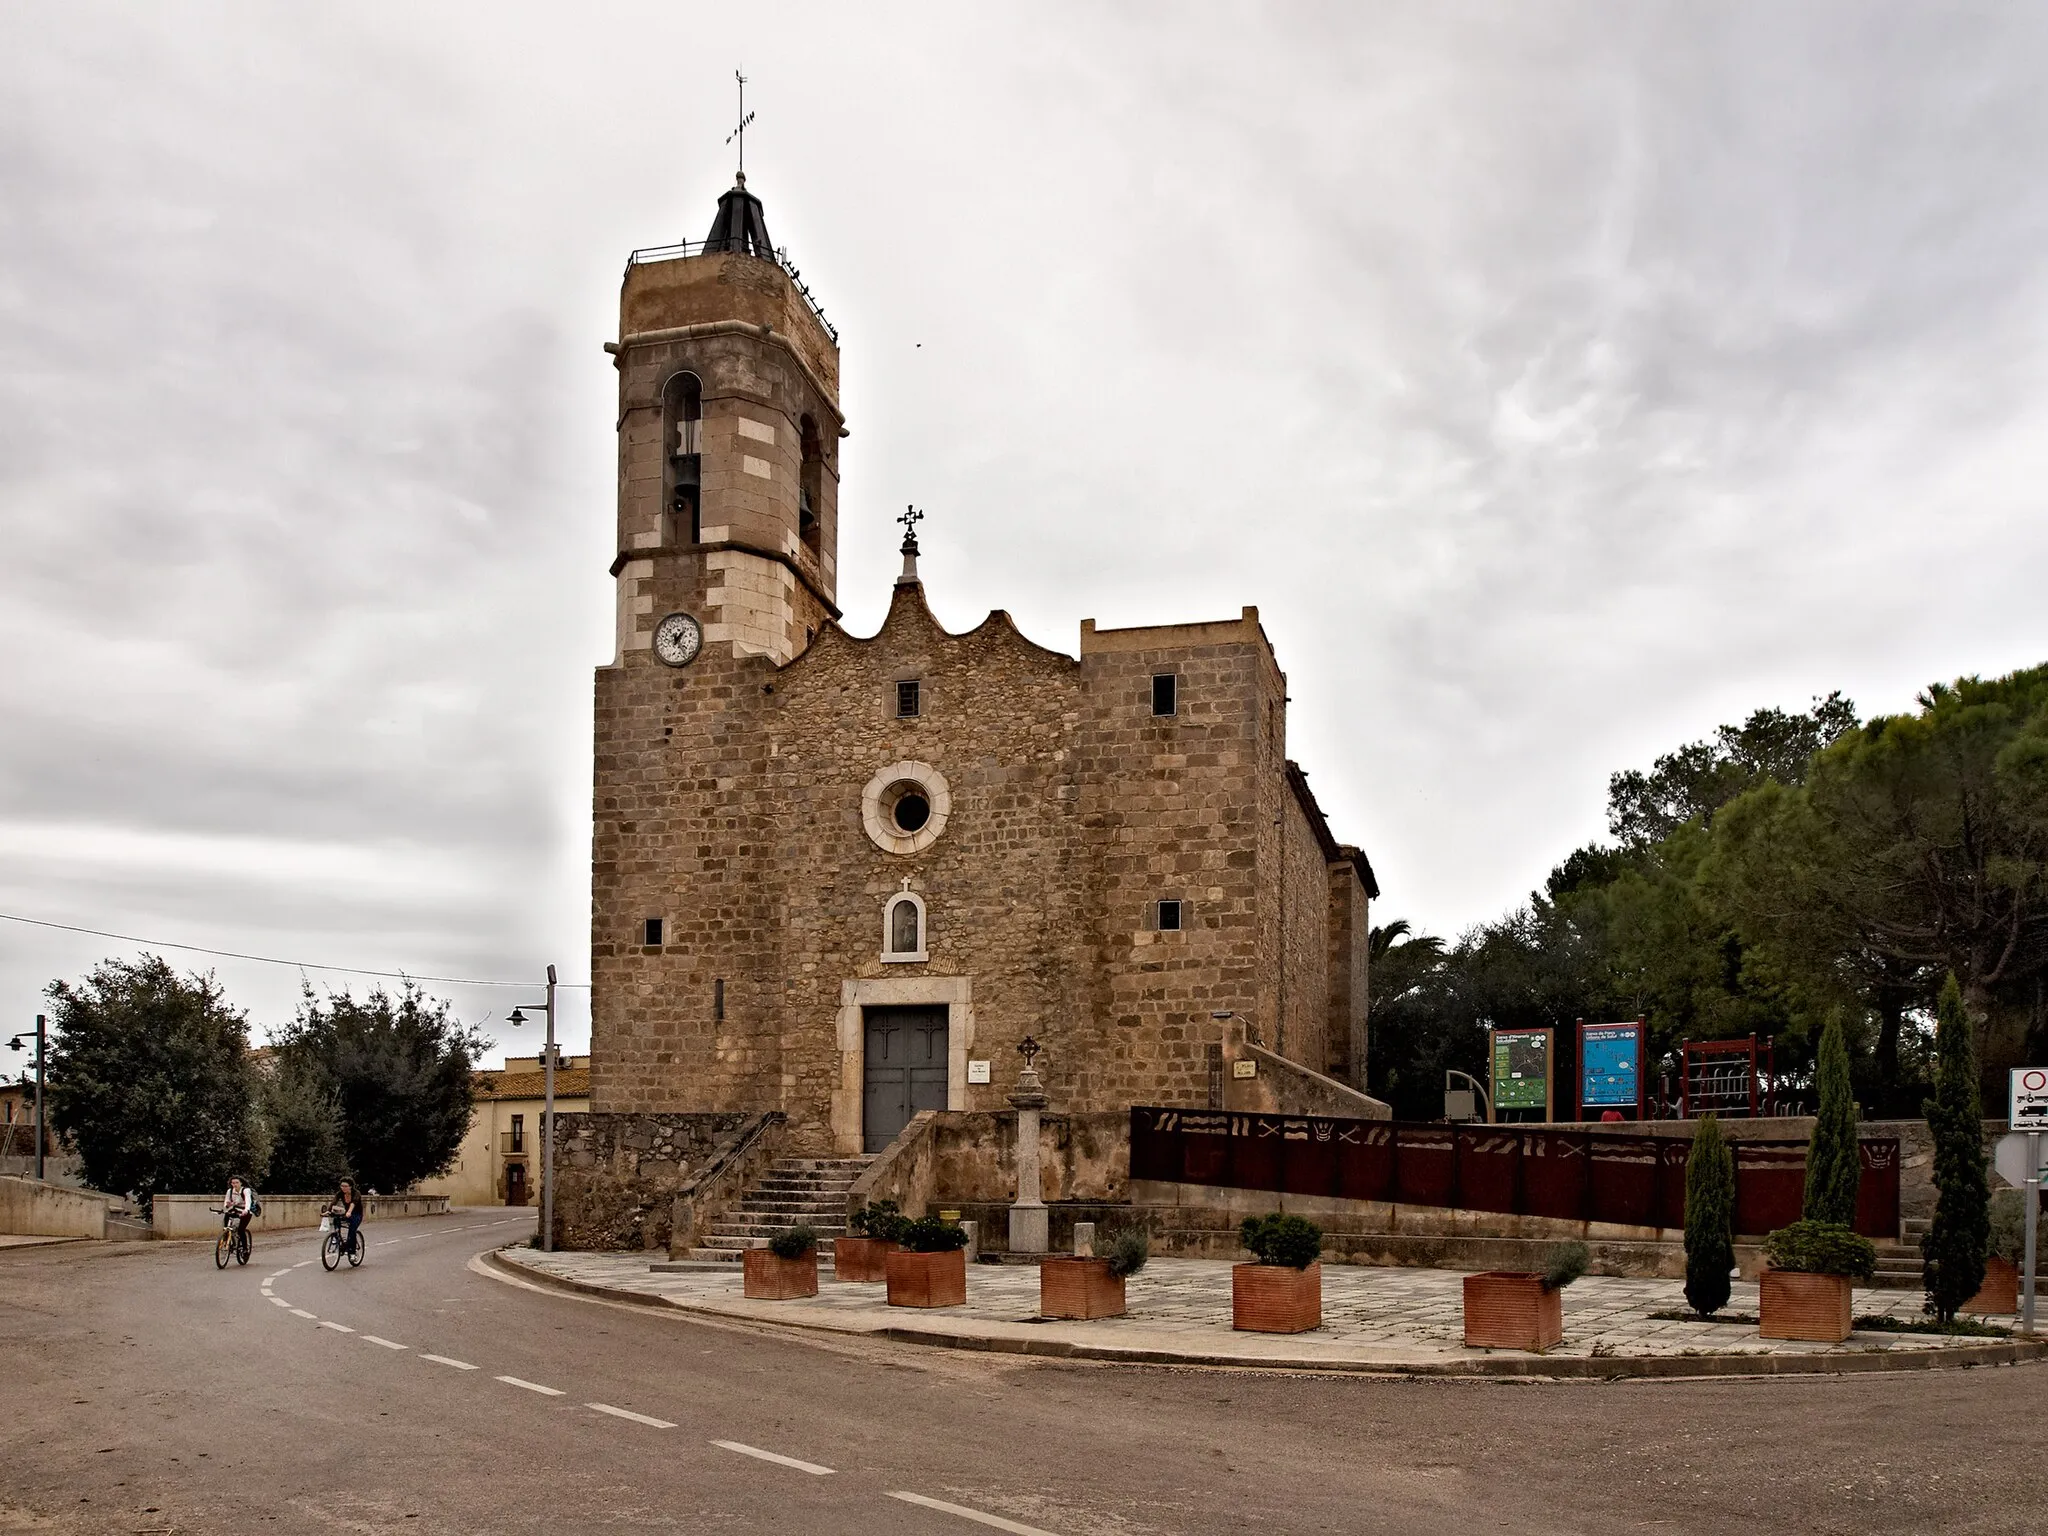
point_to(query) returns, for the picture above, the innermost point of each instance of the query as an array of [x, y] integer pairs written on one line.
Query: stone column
[[1029, 1232]]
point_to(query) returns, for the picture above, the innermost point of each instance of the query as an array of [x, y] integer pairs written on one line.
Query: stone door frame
[[855, 997]]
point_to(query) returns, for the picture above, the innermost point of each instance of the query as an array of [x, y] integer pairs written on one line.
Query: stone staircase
[[811, 1190], [1899, 1266]]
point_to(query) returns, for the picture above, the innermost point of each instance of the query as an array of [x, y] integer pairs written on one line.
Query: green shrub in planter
[[2009, 1228], [928, 1234], [1293, 1241], [1956, 1239], [1127, 1249], [881, 1219], [1833, 1165], [1568, 1262], [1821, 1248], [793, 1242]]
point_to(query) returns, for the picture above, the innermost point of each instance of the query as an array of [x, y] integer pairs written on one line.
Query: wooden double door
[[905, 1056]]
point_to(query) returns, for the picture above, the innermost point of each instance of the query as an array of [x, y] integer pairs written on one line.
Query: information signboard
[[1521, 1070], [1611, 1065], [2028, 1109]]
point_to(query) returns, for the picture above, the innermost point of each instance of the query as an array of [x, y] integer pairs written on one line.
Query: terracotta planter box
[[772, 1279], [928, 1279], [2000, 1291], [861, 1258], [1506, 1310], [1799, 1306], [1082, 1288], [1273, 1298]]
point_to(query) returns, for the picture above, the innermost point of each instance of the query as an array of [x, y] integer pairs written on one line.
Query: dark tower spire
[[739, 225]]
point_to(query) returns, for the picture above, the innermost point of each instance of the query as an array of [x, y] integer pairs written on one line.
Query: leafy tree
[[1694, 782], [399, 1070], [1917, 846], [301, 1114], [1833, 1169], [148, 1079], [1709, 1218], [1956, 1242]]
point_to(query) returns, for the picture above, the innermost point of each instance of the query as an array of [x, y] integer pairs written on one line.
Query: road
[[146, 1392]]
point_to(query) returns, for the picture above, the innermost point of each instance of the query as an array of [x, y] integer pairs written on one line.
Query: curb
[[1577, 1367]]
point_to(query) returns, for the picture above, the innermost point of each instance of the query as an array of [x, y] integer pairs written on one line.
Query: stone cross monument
[[1028, 1228]]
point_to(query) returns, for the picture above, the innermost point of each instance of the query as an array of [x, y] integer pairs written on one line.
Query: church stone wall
[[1304, 1034]]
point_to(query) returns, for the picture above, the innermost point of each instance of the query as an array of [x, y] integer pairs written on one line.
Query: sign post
[[1611, 1067], [1521, 1071], [2028, 1112]]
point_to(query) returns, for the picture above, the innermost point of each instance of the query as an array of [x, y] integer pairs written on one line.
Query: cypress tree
[[1955, 1244], [1709, 1218], [1832, 1169]]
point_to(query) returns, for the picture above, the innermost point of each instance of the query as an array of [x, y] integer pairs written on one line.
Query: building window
[[810, 488], [683, 398], [519, 1133], [718, 1000], [1169, 916], [903, 936], [650, 933], [1165, 694], [905, 806], [909, 700]]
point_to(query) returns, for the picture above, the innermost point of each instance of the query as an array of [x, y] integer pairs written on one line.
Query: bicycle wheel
[[330, 1251], [355, 1252], [242, 1246], [222, 1248]]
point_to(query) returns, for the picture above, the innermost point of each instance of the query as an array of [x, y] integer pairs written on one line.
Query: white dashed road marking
[[530, 1386], [338, 1327], [972, 1514], [371, 1338], [460, 1365], [781, 1461], [302, 1312], [278, 1301], [627, 1413]]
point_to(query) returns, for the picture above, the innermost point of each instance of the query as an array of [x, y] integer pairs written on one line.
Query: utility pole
[[41, 1051], [547, 1119]]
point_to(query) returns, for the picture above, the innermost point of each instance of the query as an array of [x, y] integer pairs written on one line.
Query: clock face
[[678, 639]]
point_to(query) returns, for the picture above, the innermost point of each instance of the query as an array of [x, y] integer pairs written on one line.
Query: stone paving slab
[[1391, 1319]]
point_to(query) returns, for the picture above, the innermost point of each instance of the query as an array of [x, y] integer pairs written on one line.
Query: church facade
[[846, 877]]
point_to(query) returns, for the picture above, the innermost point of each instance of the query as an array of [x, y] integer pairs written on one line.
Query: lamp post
[[547, 1120], [41, 1051]]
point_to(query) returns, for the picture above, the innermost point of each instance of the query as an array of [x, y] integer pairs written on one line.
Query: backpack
[[255, 1203]]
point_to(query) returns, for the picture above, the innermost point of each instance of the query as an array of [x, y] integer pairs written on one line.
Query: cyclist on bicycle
[[237, 1205], [347, 1206]]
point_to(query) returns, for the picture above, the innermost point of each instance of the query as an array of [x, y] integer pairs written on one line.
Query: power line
[[301, 965]]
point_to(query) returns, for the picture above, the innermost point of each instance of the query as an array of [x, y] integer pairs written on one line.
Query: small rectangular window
[[519, 1133], [718, 999], [651, 933], [1169, 917], [1165, 694], [908, 702]]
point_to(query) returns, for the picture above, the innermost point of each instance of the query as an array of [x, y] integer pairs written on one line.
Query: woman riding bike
[[347, 1207], [237, 1206]]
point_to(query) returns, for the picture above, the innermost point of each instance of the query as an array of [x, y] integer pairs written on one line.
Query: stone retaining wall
[[195, 1216], [617, 1175], [31, 1208]]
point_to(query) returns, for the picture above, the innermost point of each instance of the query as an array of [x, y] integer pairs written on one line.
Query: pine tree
[[1709, 1218], [1832, 1169], [1955, 1244]]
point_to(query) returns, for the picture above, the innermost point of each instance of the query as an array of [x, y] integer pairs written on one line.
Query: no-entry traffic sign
[[2029, 1107]]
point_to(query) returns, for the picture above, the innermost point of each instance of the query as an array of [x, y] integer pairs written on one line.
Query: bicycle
[[339, 1241], [233, 1241]]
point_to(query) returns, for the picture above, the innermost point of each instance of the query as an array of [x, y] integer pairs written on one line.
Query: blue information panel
[[1610, 1065]]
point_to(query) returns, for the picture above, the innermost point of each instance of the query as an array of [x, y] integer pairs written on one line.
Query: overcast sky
[[1558, 381]]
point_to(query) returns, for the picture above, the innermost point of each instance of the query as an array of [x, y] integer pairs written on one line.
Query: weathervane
[[740, 132]]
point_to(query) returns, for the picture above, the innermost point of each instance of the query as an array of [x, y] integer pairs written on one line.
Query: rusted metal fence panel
[[1513, 1170]]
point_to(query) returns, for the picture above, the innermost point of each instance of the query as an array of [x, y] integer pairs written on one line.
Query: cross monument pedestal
[[1030, 1230]]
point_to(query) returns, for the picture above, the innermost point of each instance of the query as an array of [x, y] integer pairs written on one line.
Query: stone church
[[846, 877]]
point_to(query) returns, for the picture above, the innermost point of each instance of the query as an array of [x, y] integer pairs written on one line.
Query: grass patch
[[1964, 1327], [1739, 1319]]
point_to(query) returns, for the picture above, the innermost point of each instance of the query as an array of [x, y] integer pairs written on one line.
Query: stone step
[[767, 1206], [767, 1229], [720, 1244]]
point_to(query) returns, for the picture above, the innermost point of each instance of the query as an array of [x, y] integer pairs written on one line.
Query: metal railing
[[686, 248], [512, 1141]]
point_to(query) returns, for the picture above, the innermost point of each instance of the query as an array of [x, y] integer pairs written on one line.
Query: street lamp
[[41, 1051], [547, 1121]]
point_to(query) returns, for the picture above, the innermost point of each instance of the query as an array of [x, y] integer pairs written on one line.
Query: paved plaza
[[1401, 1319]]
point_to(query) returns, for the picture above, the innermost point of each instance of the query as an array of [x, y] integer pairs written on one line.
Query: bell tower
[[729, 430]]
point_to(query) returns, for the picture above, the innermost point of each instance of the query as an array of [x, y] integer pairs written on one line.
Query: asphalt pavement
[[144, 1391]]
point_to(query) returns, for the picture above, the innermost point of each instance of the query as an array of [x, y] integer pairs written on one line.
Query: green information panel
[[1521, 1069]]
